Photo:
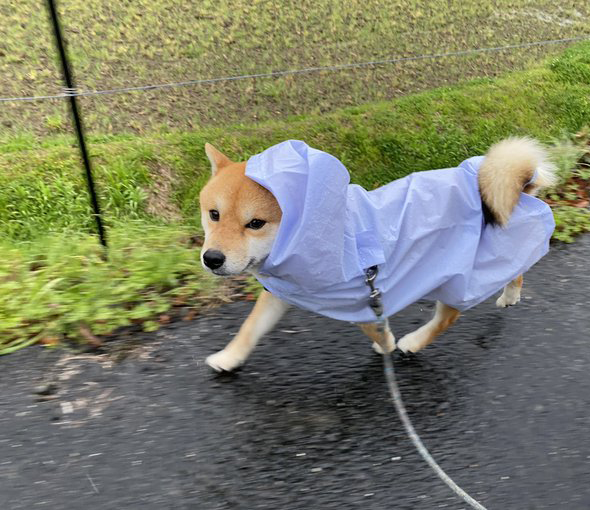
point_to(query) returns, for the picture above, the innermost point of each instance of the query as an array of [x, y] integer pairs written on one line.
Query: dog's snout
[[213, 259]]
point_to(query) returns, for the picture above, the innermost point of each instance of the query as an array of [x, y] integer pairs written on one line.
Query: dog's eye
[[214, 214], [256, 224]]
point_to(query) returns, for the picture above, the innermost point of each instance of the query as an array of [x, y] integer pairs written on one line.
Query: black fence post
[[70, 87]]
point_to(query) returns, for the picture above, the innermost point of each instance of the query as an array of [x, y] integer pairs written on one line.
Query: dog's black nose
[[213, 259]]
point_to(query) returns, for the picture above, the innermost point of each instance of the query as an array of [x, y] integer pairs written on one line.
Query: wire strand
[[337, 67]]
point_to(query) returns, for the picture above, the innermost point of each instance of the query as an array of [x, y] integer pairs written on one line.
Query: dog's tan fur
[[238, 201], [444, 316], [381, 342], [504, 174], [266, 313], [508, 167]]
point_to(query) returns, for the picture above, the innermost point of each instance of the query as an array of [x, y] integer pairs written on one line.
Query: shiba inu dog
[[455, 236]]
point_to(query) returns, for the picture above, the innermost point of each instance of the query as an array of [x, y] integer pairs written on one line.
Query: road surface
[[502, 400]]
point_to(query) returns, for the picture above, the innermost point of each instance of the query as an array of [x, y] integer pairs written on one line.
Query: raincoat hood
[[425, 232]]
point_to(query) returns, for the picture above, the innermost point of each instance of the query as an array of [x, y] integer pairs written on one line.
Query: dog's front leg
[[383, 339], [266, 313]]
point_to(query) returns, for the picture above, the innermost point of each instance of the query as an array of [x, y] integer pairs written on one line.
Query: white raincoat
[[425, 232]]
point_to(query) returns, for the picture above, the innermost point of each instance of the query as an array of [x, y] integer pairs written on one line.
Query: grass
[[60, 287], [54, 286], [158, 177], [115, 44]]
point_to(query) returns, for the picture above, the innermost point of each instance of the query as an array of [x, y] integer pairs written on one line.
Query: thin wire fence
[[333, 68]]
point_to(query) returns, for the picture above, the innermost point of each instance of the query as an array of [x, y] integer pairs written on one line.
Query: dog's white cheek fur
[[234, 264], [259, 248]]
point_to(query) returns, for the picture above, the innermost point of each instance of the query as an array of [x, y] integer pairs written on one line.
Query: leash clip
[[375, 302], [371, 276], [375, 297]]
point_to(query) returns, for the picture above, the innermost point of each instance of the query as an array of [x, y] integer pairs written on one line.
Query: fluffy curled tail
[[510, 167]]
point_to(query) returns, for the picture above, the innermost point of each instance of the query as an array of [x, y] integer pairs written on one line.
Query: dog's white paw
[[223, 361], [508, 298], [413, 342], [377, 348], [390, 344]]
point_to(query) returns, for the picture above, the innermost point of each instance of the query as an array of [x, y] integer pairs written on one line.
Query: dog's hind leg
[[381, 342], [511, 294], [444, 316], [266, 313]]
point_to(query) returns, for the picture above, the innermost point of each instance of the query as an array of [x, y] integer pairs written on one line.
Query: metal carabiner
[[375, 296]]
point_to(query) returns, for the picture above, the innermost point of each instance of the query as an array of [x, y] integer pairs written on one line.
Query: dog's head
[[240, 218]]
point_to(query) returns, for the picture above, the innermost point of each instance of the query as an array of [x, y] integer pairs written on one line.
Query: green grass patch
[[573, 66], [570, 221], [570, 198], [60, 287], [155, 178], [53, 284]]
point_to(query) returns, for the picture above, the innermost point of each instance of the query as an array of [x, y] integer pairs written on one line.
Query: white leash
[[396, 396]]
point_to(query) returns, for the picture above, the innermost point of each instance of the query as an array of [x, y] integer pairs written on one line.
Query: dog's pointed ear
[[218, 159]]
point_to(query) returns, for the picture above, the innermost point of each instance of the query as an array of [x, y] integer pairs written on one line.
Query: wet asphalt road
[[502, 401]]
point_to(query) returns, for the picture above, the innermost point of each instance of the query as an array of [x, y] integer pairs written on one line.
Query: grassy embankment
[[53, 284]]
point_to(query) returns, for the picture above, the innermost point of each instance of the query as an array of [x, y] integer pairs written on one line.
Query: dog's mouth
[[252, 264], [222, 271]]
